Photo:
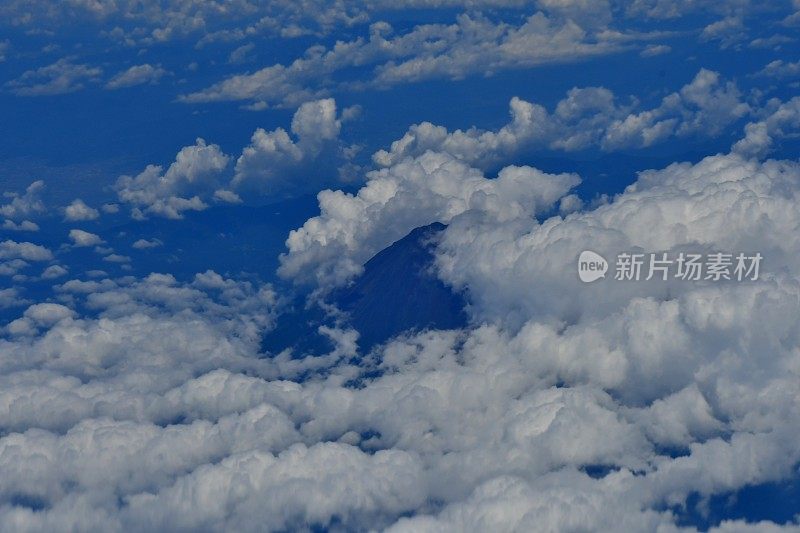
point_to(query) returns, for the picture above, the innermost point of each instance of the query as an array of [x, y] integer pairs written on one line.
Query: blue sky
[[211, 317]]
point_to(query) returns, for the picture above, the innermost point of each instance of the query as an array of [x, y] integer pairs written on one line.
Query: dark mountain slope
[[397, 292]]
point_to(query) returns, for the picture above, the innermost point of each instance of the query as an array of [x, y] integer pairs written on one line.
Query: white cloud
[[27, 205], [9, 298], [117, 258], [330, 248], [226, 196], [705, 105], [47, 314], [779, 120], [54, 271], [781, 69], [25, 225], [670, 9], [61, 77], [12, 267], [148, 404], [586, 117], [196, 168], [722, 201], [135, 24], [472, 45], [79, 211], [729, 31], [158, 411], [24, 250], [563, 501], [774, 42], [143, 244], [273, 163], [539, 40], [136, 75], [82, 238], [242, 54], [653, 50], [390, 483]]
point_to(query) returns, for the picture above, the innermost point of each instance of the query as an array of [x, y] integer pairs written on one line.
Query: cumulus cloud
[[781, 119], [116, 258], [25, 225], [435, 187], [705, 105], [473, 44], [653, 50], [143, 244], [274, 162], [149, 403], [40, 315], [156, 412], [15, 256], [10, 298], [781, 69], [155, 192], [54, 271], [136, 75], [135, 24], [721, 201], [26, 205], [61, 77], [671, 9], [645, 343], [82, 238], [24, 250], [226, 196], [586, 117], [242, 54], [79, 211]]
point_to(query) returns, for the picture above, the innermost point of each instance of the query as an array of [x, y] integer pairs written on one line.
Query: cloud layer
[[146, 403]]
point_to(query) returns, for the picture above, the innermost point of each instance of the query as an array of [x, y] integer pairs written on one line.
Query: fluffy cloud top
[[14, 256], [149, 403], [153, 191], [26, 205], [25, 225], [329, 249], [136, 75], [83, 238], [587, 117], [273, 163], [473, 44], [781, 69], [723, 202], [79, 211], [24, 250], [155, 411], [143, 244], [61, 77], [781, 119], [54, 271], [152, 23]]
